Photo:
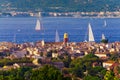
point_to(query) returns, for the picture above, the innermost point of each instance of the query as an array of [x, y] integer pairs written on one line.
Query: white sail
[[38, 25], [57, 39], [105, 23], [90, 34], [103, 36]]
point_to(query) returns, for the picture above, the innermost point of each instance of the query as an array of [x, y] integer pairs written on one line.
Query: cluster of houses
[[43, 53]]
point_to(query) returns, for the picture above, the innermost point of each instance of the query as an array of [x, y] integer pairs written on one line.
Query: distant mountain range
[[61, 5]]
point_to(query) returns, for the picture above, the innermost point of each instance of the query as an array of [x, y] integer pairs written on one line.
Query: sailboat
[[90, 34], [103, 36], [105, 23], [38, 24], [38, 27], [104, 40], [57, 39]]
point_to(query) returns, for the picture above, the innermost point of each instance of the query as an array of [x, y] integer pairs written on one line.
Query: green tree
[[47, 72], [21, 72], [27, 75], [14, 74], [67, 61], [109, 75], [77, 67], [114, 56], [89, 77], [116, 78], [102, 73], [104, 41], [10, 77], [96, 71], [91, 57], [1, 77]]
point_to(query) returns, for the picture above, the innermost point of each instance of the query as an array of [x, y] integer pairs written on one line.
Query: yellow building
[[65, 37]]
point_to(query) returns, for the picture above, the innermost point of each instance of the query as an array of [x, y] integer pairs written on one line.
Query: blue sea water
[[22, 30]]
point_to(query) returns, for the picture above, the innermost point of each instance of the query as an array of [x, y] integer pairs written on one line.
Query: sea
[[22, 29]]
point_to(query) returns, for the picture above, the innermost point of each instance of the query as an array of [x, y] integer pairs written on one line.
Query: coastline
[[54, 17]]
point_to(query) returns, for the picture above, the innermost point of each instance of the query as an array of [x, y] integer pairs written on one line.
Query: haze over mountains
[[61, 5]]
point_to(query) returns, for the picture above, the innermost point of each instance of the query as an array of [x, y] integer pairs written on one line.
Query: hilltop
[[61, 5]]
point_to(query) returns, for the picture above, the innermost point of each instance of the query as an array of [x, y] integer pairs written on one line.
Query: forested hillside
[[65, 5]]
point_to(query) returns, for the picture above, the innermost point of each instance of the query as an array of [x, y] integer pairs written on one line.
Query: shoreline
[[54, 17], [57, 42]]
